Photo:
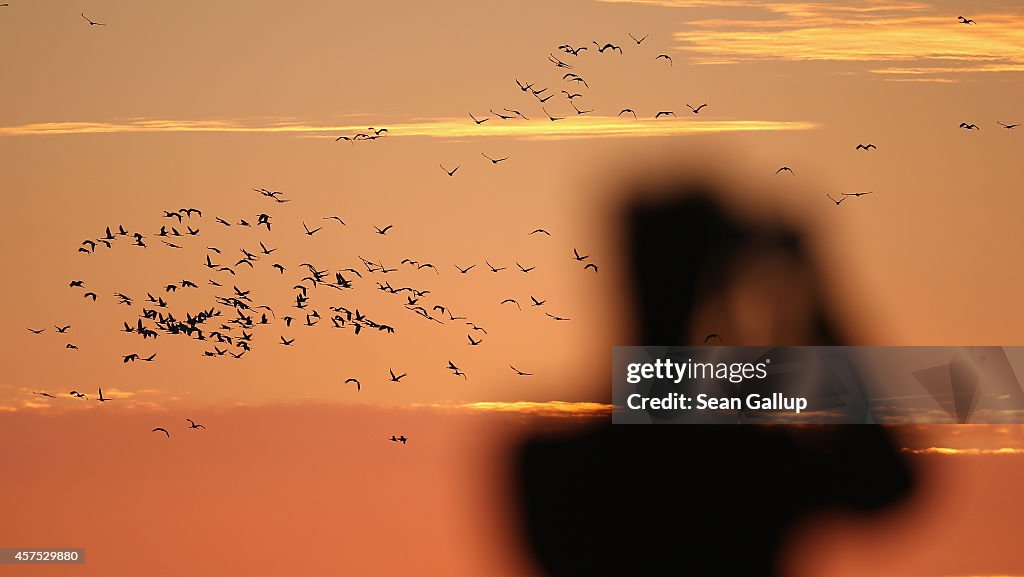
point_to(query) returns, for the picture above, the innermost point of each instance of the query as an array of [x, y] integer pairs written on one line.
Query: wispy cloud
[[779, 10], [862, 31], [548, 408], [928, 70], [973, 451], [928, 79], [15, 398], [449, 128], [544, 408]]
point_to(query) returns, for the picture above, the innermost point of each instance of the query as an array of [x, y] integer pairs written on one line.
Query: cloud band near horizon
[[452, 128]]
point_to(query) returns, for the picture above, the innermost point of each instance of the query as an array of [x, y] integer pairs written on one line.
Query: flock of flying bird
[[574, 81], [577, 82], [227, 325]]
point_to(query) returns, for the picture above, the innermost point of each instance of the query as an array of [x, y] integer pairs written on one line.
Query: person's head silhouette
[[703, 499]]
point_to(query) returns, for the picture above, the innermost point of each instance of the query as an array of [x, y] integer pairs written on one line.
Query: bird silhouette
[[866, 147], [520, 373], [193, 425], [513, 301], [516, 112], [494, 160], [968, 126], [963, 20], [838, 202], [359, 386], [1007, 126], [91, 22], [558, 63], [578, 111], [396, 378], [666, 57], [608, 46], [784, 169], [572, 77], [696, 110], [453, 367], [162, 430], [450, 172], [551, 118]]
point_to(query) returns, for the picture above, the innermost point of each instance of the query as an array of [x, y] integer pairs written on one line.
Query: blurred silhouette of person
[[703, 499]]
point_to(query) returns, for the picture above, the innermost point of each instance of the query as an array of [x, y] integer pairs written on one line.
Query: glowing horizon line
[[952, 451], [543, 408], [539, 408], [559, 408], [570, 127]]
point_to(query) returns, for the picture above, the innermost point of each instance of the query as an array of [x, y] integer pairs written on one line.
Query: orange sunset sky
[[196, 104]]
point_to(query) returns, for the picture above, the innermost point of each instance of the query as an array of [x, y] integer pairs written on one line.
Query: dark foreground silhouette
[[703, 499]]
